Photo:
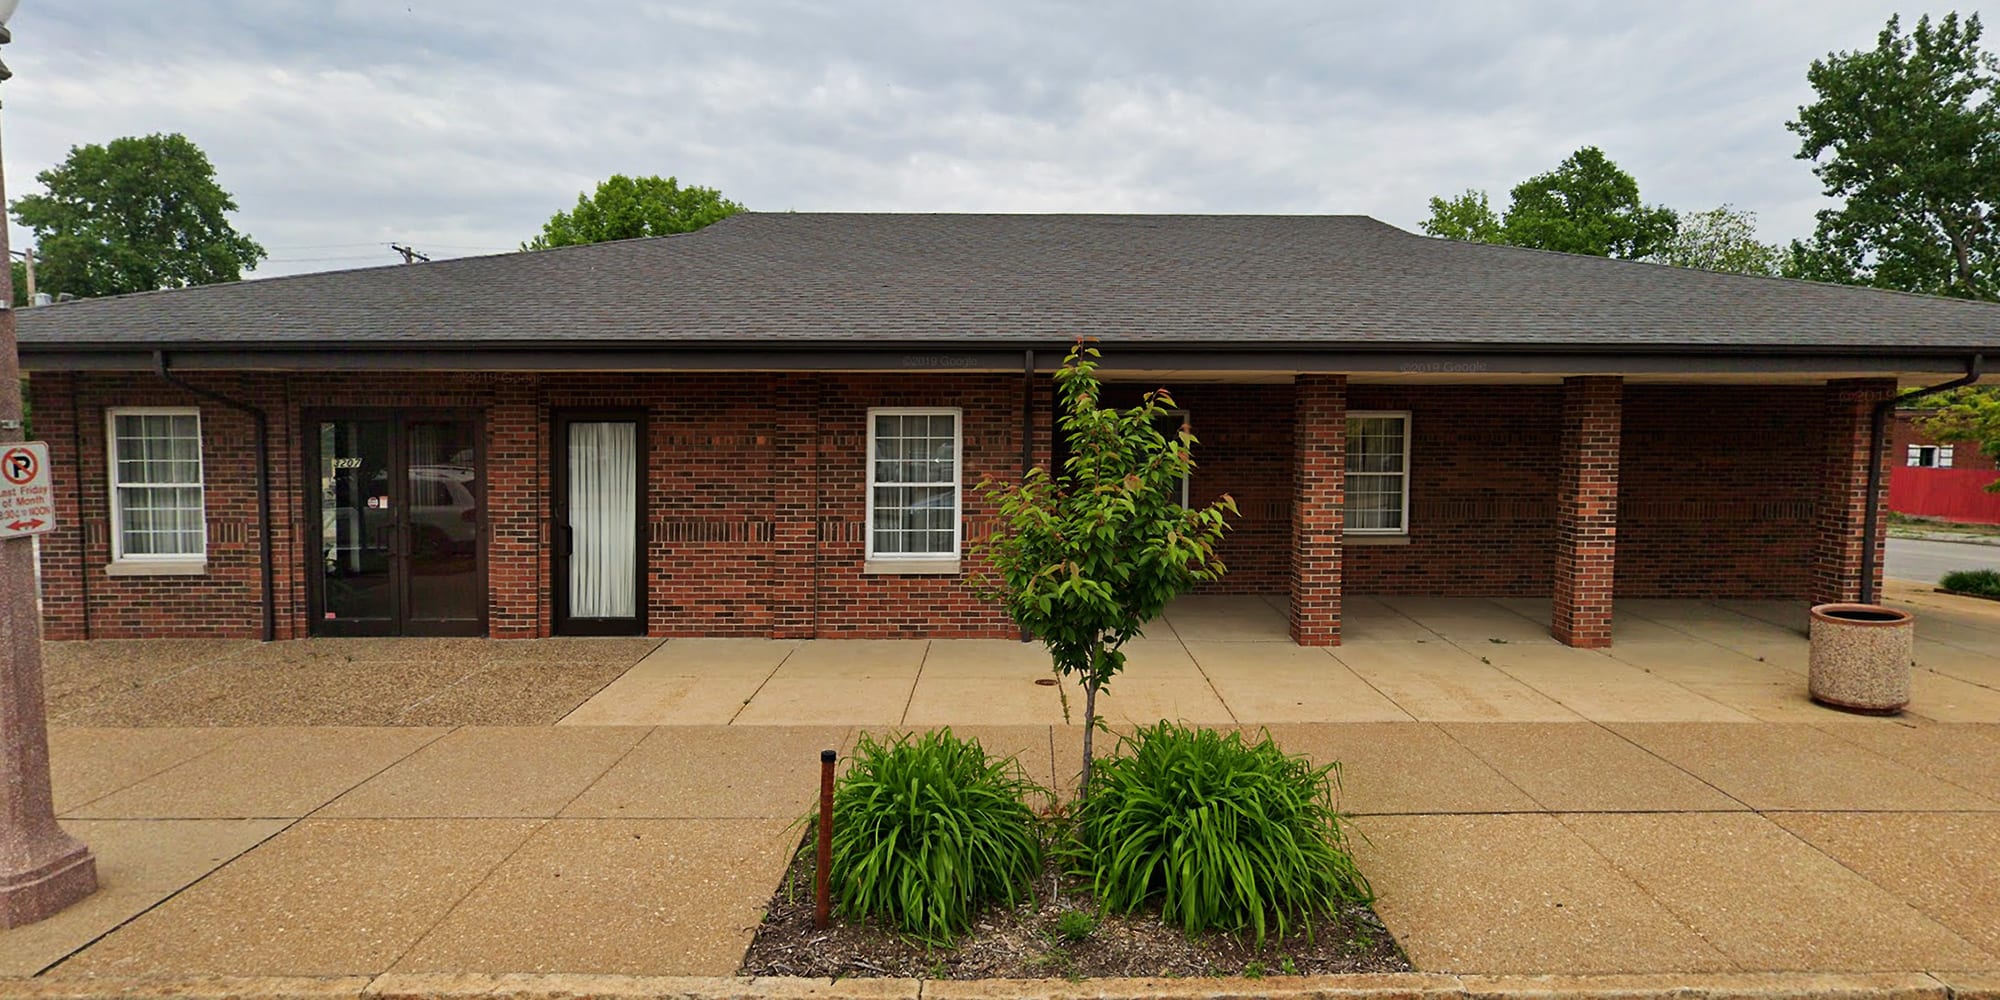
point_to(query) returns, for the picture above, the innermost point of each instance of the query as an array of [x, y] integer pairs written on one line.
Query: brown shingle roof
[[969, 280]]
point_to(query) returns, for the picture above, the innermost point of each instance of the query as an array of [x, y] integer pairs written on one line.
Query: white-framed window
[[1378, 472], [913, 483], [1930, 456], [154, 457]]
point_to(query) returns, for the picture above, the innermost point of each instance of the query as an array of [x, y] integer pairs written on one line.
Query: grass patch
[[1983, 582], [1222, 833], [929, 829]]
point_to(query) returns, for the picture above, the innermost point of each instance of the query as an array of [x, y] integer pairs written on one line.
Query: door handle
[[568, 541]]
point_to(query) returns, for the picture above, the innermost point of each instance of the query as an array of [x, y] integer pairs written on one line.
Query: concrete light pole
[[42, 869]]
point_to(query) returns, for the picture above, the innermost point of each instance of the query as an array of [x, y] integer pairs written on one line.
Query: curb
[[1387, 986], [1960, 537]]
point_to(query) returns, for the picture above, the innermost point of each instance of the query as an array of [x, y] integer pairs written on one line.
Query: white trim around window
[[153, 464], [914, 477], [1382, 476]]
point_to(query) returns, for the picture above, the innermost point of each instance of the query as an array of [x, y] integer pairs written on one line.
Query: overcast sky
[[340, 125]]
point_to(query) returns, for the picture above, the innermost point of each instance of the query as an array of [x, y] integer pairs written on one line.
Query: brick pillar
[[1838, 519], [794, 606], [1319, 476], [1587, 510], [517, 510]]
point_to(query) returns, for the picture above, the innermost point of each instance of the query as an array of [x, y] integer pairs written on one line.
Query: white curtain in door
[[603, 488]]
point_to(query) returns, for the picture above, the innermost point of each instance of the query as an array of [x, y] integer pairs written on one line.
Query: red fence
[[1951, 494]]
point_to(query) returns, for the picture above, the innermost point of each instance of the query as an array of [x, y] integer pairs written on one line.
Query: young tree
[[625, 208], [1085, 557], [1467, 217], [1586, 205], [1720, 239], [1908, 134], [1970, 414], [134, 215]]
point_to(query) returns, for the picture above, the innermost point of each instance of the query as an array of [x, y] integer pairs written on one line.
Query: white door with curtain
[[601, 497]]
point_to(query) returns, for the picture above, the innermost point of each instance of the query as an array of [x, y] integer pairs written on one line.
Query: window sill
[[910, 567], [190, 567], [1354, 539]]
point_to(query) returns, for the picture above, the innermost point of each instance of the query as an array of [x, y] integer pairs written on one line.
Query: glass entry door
[[600, 520], [398, 525]]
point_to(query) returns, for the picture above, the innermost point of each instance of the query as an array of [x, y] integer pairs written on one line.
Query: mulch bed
[[1026, 944]]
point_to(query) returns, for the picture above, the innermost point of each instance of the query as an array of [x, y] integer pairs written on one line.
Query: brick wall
[[1717, 486], [225, 601], [755, 501], [1483, 463], [1243, 448]]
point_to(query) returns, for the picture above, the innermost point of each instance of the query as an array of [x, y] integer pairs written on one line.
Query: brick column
[[795, 507], [1587, 510], [1838, 519], [1319, 477], [516, 510]]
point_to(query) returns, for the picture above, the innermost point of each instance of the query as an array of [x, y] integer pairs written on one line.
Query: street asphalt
[[1923, 560]]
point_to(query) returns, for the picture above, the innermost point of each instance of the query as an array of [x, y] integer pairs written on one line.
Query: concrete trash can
[[1860, 657]]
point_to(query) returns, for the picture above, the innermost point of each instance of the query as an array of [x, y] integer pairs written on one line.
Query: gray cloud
[[457, 127]]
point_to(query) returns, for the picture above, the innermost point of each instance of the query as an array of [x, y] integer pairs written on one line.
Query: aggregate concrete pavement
[[1672, 807]]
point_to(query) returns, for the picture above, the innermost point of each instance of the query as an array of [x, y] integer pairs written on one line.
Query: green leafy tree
[[1720, 239], [1968, 415], [134, 215], [1908, 134], [1467, 217], [1087, 556], [1586, 205], [625, 208]]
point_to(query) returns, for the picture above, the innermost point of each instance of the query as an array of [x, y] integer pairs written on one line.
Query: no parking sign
[[27, 497]]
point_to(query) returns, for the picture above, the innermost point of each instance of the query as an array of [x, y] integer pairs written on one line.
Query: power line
[[410, 256]]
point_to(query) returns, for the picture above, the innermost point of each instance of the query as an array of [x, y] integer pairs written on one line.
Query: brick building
[[774, 426]]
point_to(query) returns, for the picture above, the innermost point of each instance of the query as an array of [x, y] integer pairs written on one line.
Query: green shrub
[[1985, 582], [927, 829], [1223, 833]]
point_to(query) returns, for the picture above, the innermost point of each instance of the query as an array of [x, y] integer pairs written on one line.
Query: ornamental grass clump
[[928, 829], [1224, 834], [1984, 582]]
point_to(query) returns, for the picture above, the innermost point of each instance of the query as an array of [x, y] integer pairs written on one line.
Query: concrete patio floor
[[1229, 660], [1673, 806]]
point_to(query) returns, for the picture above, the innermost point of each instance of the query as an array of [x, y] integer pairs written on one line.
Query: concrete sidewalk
[[1567, 847]]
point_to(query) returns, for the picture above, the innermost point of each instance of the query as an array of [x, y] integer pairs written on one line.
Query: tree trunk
[[1089, 729]]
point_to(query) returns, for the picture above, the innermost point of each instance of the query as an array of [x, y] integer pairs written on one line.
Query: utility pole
[[410, 256]]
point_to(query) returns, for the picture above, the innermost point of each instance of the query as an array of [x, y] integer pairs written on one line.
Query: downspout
[[1878, 422], [82, 534], [263, 445]]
